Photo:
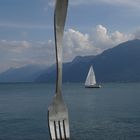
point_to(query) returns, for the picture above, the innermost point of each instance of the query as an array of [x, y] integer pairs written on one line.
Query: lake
[[109, 113]]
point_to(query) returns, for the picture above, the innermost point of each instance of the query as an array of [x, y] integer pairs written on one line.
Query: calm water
[[109, 113]]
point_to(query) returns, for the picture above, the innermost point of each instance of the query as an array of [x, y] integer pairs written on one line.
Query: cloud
[[14, 46], [51, 2], [126, 3], [24, 25], [103, 40], [137, 33], [20, 53], [77, 43]]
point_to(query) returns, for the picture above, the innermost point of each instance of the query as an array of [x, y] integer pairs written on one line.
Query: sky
[[92, 26]]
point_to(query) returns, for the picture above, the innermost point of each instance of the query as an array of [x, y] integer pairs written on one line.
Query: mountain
[[24, 74], [70, 70], [118, 64]]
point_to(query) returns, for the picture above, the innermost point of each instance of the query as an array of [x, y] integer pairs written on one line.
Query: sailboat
[[91, 80]]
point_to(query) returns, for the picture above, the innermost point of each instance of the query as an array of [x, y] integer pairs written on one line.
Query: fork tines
[[59, 130]]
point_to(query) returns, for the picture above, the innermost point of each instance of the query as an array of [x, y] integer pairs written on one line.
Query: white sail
[[90, 80]]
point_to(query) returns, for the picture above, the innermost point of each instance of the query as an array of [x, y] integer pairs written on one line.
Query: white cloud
[[19, 53], [101, 34], [103, 40], [77, 43]]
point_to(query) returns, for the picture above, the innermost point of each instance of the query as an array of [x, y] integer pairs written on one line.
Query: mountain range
[[118, 64], [23, 74]]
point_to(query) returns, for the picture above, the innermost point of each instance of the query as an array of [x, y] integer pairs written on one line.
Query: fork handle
[[59, 23]]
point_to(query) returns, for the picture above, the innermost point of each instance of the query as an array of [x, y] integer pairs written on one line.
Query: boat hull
[[93, 86]]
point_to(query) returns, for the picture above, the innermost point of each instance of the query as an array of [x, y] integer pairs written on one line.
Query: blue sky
[[26, 29]]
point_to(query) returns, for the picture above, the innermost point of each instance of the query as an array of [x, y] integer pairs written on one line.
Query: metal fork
[[57, 112]]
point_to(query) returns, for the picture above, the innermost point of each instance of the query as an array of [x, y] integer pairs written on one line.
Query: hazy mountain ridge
[[23, 74], [118, 64]]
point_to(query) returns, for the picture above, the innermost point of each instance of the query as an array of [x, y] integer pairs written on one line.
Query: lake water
[[109, 113]]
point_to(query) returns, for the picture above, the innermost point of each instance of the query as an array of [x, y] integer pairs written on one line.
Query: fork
[[57, 112]]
